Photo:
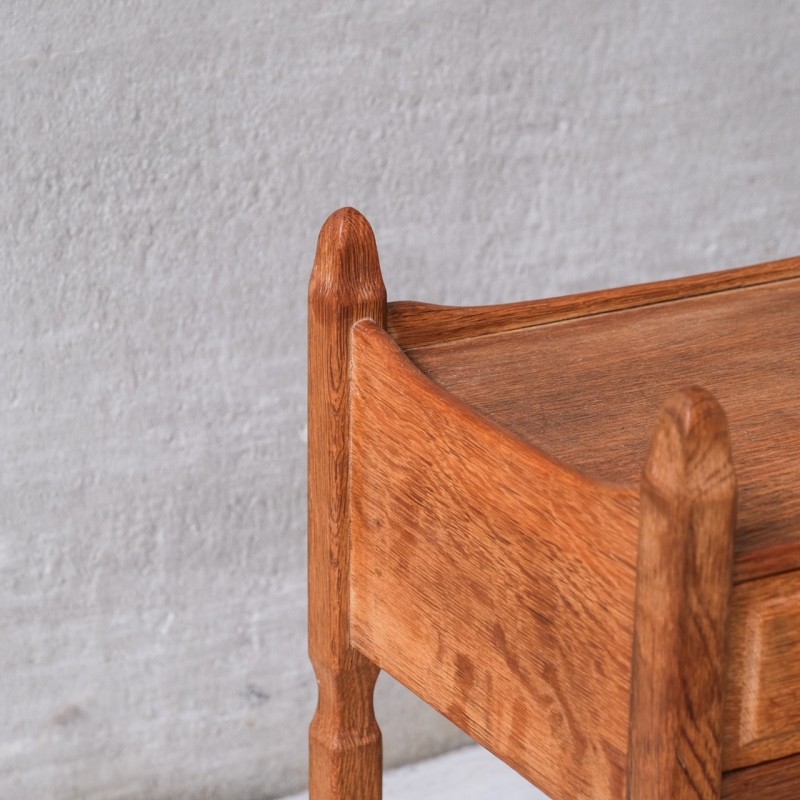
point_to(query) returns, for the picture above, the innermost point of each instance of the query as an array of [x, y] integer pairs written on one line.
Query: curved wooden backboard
[[415, 324]]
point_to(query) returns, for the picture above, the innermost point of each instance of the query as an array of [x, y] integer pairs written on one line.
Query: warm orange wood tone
[[683, 583], [587, 392], [493, 520], [494, 583], [413, 324], [772, 780], [345, 741], [763, 712]]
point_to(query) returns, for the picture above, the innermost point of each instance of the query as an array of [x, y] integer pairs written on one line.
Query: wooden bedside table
[[528, 515]]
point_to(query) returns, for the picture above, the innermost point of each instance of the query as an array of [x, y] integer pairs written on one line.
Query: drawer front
[[762, 711]]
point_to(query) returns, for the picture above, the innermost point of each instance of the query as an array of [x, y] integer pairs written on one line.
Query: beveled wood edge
[[758, 729], [416, 324], [770, 780], [769, 562]]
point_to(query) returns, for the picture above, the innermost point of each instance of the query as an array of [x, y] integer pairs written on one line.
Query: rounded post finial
[[347, 263], [690, 450]]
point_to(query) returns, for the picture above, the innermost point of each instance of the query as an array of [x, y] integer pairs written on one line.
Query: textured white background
[[164, 170]]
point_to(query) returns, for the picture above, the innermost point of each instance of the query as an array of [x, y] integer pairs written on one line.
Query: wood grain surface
[[587, 391], [345, 741], [763, 710], [414, 324], [683, 584], [493, 582], [772, 780], [477, 529]]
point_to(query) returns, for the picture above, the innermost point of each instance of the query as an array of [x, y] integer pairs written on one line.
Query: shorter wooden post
[[346, 286], [684, 574]]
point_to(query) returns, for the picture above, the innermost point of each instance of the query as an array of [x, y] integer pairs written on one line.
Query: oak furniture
[[528, 515]]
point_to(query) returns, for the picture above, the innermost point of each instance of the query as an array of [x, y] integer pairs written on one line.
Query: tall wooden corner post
[[684, 580], [346, 286]]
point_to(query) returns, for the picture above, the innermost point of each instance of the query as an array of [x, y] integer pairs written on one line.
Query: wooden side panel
[[763, 709], [345, 741], [493, 582], [413, 324], [684, 580]]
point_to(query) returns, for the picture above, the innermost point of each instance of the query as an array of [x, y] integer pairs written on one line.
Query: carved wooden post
[[346, 285], [685, 562]]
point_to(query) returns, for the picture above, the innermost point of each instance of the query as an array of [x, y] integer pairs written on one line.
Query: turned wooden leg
[[345, 741], [346, 286], [684, 579]]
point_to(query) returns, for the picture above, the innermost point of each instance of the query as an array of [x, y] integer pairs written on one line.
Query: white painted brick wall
[[164, 169]]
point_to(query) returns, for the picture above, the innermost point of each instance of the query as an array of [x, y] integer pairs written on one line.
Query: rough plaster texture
[[164, 170]]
